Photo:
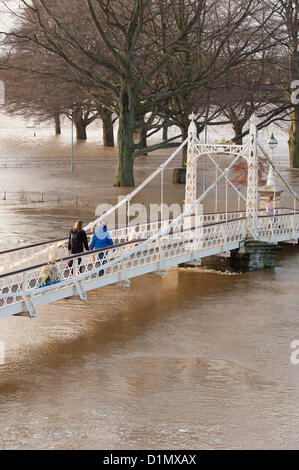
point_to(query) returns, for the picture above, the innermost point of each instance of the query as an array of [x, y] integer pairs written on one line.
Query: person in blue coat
[[101, 239]]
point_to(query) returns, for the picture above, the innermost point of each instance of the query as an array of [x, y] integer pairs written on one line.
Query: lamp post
[[272, 142], [270, 189]]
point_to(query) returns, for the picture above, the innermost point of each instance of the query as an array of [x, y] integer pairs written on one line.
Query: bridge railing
[[280, 227], [45, 252], [100, 265], [57, 273]]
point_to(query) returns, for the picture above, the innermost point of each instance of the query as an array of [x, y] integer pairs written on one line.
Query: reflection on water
[[192, 360]]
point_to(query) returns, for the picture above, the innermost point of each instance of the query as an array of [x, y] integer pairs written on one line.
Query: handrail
[[277, 215], [67, 258], [83, 276], [236, 210], [110, 247], [24, 247]]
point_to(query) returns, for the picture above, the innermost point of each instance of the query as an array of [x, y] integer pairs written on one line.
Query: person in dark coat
[[77, 241]]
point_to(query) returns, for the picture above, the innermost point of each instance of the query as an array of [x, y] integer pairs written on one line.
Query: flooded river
[[193, 360]]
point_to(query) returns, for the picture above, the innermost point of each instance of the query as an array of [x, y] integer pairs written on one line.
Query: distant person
[[269, 206], [77, 241], [101, 239]]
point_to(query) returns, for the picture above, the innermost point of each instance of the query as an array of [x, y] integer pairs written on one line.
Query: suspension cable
[[138, 189], [226, 198], [295, 195], [229, 181]]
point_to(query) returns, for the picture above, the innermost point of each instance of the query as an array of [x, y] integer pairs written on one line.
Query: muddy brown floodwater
[[194, 360]]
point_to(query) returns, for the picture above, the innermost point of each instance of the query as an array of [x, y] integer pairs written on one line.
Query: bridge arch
[[249, 151]]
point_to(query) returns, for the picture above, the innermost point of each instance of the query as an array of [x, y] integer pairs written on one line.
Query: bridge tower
[[252, 178], [191, 173]]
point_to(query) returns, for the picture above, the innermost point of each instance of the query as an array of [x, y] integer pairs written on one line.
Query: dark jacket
[[76, 241]]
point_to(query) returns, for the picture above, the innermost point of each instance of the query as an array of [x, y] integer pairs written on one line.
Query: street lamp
[[272, 142], [270, 189]]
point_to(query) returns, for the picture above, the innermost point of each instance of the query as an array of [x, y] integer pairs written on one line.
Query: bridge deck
[[22, 290]]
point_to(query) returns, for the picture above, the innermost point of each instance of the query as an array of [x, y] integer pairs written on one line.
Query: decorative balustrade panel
[[21, 258], [57, 274], [219, 148], [93, 265], [278, 228], [269, 229]]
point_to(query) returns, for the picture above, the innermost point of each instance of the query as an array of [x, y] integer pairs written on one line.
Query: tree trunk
[[238, 129], [80, 127], [143, 142], [165, 133], [108, 136], [294, 127], [57, 123], [126, 127], [294, 138]]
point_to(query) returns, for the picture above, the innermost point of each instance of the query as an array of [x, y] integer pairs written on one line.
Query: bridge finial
[[192, 130], [192, 116], [253, 119]]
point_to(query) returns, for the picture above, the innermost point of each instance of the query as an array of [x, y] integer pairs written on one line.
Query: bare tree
[[123, 48], [289, 12], [48, 97], [257, 86]]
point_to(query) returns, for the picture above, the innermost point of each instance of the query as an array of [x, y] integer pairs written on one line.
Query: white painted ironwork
[[271, 177], [278, 228], [227, 149], [153, 246], [252, 178], [119, 264], [191, 179]]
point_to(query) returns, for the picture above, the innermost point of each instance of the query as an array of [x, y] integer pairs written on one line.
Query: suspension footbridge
[[156, 245]]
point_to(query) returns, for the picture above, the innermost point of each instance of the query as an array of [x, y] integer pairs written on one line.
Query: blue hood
[[101, 239], [101, 233]]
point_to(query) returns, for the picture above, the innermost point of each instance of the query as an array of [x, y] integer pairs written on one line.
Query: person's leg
[[79, 265], [101, 256], [70, 265]]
